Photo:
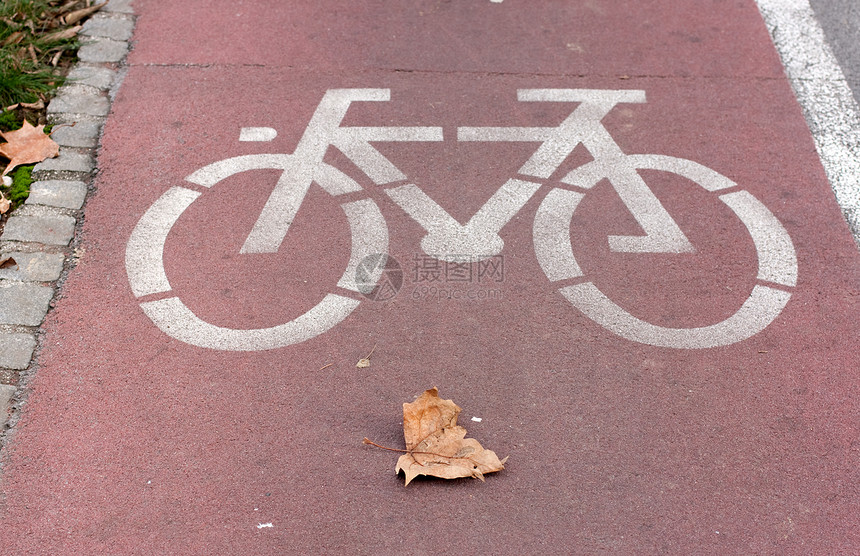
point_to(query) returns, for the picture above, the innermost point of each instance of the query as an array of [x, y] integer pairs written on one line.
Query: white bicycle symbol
[[479, 237]]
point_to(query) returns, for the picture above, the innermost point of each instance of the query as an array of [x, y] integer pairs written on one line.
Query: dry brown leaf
[[69, 33], [78, 15], [5, 204], [436, 445], [14, 38], [67, 6], [27, 145], [7, 262]]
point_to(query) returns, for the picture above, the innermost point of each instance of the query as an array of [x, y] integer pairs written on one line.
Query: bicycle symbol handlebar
[[479, 238]]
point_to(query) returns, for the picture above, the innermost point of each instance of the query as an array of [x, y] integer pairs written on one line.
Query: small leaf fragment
[[7, 262], [38, 105], [364, 362], [14, 38]]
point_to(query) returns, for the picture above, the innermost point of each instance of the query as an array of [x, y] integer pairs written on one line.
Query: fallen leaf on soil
[[27, 145], [14, 38], [5, 204], [68, 33], [38, 105], [436, 445], [7, 262]]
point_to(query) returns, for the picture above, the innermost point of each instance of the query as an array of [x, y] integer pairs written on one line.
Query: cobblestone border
[[41, 234]]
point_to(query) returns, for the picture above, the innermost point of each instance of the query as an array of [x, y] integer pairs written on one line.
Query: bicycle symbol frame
[[479, 237]]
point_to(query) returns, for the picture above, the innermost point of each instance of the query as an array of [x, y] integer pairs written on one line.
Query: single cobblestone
[[70, 162], [6, 394], [16, 350], [50, 230], [79, 99], [103, 50], [119, 6], [24, 304], [93, 76], [108, 27], [82, 134], [58, 193], [33, 267]]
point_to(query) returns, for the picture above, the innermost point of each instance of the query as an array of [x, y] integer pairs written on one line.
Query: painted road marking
[[758, 311], [822, 90], [177, 321], [583, 126], [479, 238], [263, 134], [324, 130], [144, 253]]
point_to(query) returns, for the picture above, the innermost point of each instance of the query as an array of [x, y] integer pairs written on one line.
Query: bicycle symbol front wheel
[[777, 259], [145, 265]]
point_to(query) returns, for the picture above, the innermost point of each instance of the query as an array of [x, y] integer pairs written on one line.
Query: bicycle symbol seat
[[479, 238]]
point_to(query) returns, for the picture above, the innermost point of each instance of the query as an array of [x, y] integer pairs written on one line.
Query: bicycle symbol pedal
[[478, 239]]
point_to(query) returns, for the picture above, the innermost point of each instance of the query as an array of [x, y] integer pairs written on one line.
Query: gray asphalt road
[[841, 22]]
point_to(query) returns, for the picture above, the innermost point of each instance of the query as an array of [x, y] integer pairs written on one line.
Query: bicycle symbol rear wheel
[[777, 260], [147, 276]]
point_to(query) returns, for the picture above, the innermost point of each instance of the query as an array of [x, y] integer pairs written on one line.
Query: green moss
[[20, 188], [9, 121]]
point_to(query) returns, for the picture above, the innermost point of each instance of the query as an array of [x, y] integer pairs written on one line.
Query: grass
[[37, 43], [31, 47]]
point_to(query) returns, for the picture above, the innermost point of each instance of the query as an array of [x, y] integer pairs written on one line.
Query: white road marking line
[[479, 238], [262, 134], [759, 310], [551, 235], [369, 237], [823, 92], [777, 259], [145, 249], [177, 320]]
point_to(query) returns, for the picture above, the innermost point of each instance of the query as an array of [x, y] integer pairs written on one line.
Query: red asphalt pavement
[[135, 442]]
